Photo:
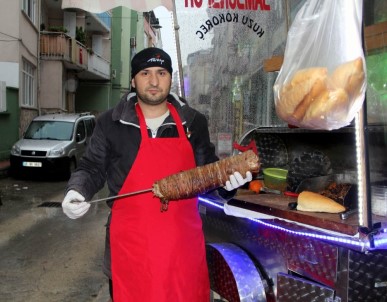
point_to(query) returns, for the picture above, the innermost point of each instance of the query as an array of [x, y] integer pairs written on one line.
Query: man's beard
[[152, 99]]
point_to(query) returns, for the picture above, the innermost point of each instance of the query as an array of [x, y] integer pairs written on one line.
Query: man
[[150, 255]]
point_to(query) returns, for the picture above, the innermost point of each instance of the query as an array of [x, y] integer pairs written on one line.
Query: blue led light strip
[[343, 240]]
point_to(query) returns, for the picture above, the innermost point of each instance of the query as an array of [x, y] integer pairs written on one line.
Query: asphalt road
[[46, 256]]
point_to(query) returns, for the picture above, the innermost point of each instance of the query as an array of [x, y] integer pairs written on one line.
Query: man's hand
[[237, 180], [74, 205]]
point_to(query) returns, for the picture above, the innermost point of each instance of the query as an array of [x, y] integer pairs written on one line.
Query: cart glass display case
[[231, 55], [258, 246]]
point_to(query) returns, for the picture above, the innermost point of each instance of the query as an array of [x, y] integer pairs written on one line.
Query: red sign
[[230, 4]]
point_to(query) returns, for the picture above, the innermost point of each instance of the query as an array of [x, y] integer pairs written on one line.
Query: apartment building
[[45, 54], [55, 60]]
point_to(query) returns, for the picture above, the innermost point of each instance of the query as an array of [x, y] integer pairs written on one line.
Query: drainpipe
[[38, 60]]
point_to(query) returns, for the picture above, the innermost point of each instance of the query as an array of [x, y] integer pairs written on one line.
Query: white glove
[[74, 205], [236, 180]]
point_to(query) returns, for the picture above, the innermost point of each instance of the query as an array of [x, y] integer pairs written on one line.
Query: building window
[[28, 82], [28, 6]]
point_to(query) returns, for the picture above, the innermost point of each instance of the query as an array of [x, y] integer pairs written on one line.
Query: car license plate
[[31, 164]]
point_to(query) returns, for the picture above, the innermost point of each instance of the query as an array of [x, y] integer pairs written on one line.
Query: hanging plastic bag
[[322, 82]]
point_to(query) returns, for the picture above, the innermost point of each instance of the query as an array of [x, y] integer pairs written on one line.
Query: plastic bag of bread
[[322, 82]]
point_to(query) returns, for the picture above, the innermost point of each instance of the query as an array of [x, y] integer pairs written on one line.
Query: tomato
[[255, 185]]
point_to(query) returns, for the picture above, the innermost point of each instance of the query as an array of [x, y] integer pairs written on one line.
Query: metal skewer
[[59, 203], [120, 195]]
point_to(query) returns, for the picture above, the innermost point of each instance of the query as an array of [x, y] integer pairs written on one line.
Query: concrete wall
[[51, 90], [123, 28], [9, 24], [19, 41]]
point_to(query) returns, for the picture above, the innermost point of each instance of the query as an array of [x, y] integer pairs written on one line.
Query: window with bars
[[28, 6], [28, 82]]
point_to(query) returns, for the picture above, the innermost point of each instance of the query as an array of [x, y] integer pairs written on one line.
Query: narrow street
[[46, 256]]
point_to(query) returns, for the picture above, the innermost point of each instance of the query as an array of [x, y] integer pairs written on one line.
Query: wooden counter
[[277, 206]]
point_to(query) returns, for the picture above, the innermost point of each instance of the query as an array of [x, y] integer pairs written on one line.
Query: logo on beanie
[[156, 59], [149, 57]]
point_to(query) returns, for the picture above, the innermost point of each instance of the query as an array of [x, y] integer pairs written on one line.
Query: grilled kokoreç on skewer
[[190, 183]]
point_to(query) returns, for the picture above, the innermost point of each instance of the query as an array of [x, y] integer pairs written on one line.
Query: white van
[[53, 143]]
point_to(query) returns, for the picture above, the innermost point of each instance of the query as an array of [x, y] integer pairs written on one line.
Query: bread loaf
[[313, 202], [348, 76], [330, 105], [295, 91], [317, 89], [315, 100]]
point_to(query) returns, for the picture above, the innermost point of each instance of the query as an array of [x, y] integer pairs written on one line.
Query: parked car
[[52, 143]]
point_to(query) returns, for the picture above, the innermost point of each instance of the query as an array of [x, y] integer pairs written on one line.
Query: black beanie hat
[[151, 57]]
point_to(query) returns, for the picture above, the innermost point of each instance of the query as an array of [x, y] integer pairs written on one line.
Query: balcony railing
[[99, 66], [55, 45], [59, 46]]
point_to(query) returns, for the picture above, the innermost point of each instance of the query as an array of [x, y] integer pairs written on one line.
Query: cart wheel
[[233, 275]]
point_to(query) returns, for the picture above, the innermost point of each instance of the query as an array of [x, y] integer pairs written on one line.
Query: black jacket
[[116, 139]]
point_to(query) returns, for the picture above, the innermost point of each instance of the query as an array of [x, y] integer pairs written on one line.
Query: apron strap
[[177, 119], [172, 110], [142, 123]]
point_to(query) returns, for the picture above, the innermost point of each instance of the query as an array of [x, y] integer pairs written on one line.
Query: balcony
[[98, 68], [75, 56]]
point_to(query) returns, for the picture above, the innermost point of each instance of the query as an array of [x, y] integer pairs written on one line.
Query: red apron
[[158, 256]]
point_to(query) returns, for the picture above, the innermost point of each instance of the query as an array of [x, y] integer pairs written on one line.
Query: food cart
[[230, 55], [259, 248]]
